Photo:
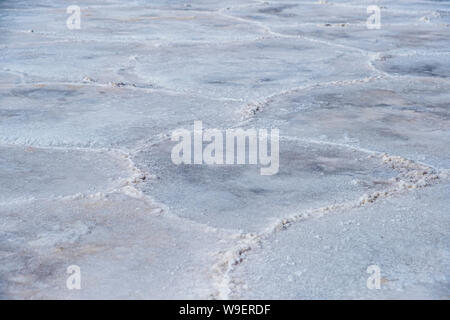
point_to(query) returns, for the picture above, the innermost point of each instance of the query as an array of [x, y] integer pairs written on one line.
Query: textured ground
[[86, 176]]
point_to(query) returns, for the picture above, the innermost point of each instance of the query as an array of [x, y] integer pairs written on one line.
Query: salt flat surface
[[327, 257], [156, 256], [86, 176]]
